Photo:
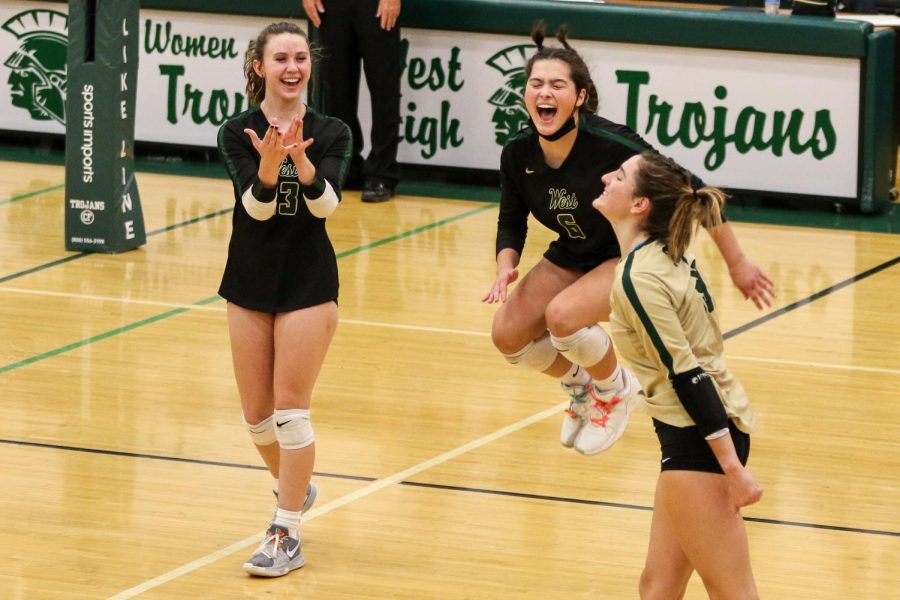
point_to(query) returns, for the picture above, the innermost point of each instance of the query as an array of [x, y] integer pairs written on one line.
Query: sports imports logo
[[37, 81]]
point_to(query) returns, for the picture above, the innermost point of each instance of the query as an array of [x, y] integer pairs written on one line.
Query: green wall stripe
[[698, 28]]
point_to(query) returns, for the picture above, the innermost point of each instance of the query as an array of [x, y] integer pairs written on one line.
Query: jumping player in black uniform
[[552, 171], [281, 281]]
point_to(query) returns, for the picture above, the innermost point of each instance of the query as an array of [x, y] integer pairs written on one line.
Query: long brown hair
[[256, 85], [581, 75], [679, 202]]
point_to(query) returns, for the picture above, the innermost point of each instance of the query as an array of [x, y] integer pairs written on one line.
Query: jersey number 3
[[288, 198], [568, 222]]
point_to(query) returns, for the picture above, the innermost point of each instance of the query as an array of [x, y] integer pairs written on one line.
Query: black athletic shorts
[[684, 449], [562, 257]]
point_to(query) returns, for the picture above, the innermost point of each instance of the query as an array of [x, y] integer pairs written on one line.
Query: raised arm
[[746, 275]]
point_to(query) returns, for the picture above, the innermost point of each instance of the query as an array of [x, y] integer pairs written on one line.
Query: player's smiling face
[[550, 95], [286, 65], [618, 195]]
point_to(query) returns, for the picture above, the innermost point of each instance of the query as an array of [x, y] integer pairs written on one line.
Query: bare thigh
[[252, 336], [709, 530], [583, 303], [521, 319], [667, 568], [302, 338]]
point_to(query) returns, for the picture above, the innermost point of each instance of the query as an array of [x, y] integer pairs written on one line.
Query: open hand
[[499, 289], [293, 139], [272, 152], [753, 283]]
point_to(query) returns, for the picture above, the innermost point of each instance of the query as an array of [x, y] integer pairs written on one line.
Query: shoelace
[[579, 395], [605, 408], [273, 538]]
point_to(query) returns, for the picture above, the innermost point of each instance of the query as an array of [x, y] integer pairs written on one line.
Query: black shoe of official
[[377, 192]]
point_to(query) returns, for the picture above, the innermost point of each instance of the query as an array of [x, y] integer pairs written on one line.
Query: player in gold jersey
[[665, 325]]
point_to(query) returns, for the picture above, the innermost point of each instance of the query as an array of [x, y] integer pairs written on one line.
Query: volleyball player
[[664, 322], [281, 280], [549, 322]]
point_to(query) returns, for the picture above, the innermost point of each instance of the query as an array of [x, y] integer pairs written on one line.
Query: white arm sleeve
[[325, 204], [261, 211]]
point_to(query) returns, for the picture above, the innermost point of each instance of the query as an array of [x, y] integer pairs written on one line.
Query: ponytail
[[679, 202]]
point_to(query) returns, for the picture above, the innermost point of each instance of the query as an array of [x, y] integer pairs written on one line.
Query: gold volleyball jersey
[[664, 323]]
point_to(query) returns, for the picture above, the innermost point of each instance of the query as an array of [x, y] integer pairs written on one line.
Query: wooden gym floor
[[127, 472]]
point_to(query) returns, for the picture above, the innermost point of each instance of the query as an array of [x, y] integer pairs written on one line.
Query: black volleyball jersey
[[286, 262], [561, 198]]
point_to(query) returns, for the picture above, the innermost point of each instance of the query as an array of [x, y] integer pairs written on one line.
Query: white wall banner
[[744, 120]]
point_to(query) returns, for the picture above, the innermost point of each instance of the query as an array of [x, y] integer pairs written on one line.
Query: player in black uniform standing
[[281, 281], [549, 322]]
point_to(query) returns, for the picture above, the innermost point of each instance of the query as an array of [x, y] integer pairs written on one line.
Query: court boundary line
[[183, 309], [393, 479], [425, 328], [31, 194], [812, 298], [367, 490], [435, 486], [623, 505], [225, 211], [83, 254]]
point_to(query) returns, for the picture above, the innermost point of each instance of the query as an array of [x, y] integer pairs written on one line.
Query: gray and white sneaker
[[278, 555]]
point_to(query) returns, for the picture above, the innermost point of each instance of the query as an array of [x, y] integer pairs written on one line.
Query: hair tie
[[696, 184]]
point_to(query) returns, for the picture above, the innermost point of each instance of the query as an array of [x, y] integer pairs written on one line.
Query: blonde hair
[[679, 202]]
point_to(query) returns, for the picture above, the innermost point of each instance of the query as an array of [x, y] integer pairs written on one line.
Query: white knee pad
[[263, 433], [538, 355], [293, 428], [585, 347]]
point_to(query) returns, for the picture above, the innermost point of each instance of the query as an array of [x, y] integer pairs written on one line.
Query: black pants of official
[[349, 35]]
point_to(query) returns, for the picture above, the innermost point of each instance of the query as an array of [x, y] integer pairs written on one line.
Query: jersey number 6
[[568, 222]]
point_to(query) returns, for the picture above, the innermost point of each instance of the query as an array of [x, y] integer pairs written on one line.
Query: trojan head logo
[[37, 81], [510, 113]]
